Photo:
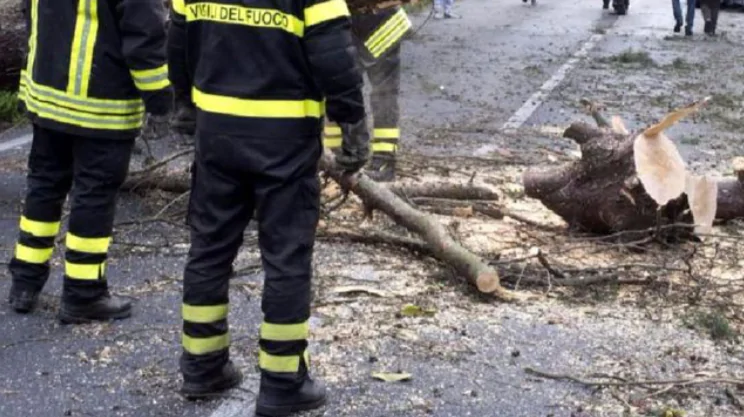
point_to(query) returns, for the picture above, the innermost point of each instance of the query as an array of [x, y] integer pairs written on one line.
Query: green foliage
[[9, 112]]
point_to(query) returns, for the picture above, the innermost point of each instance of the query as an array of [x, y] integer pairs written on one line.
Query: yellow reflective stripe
[[390, 32], [84, 104], [285, 332], [391, 39], [152, 79], [241, 107], [88, 120], [179, 6], [332, 131], [85, 271], [323, 12], [246, 16], [204, 345], [83, 43], [32, 40], [33, 255], [332, 143], [204, 314], [39, 229], [273, 363], [88, 245], [384, 147], [387, 133]]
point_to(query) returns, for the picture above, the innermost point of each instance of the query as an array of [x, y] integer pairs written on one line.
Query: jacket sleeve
[[333, 61], [142, 28], [178, 70]]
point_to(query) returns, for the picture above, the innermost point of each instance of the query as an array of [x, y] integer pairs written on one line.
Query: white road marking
[[15, 143], [539, 97]]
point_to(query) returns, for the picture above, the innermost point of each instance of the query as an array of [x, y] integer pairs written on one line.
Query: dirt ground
[[661, 322]]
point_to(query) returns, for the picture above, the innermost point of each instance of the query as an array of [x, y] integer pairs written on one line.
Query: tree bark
[[12, 43], [601, 193]]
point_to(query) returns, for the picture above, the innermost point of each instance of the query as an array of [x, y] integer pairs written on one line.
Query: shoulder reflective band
[[204, 314], [87, 245], [240, 107], [179, 6], [204, 345], [83, 42], [88, 272], [247, 16], [33, 255], [323, 12], [388, 33], [285, 332], [152, 79], [39, 229]]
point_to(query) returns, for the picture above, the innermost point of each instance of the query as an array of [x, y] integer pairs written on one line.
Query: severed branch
[[680, 382], [443, 247]]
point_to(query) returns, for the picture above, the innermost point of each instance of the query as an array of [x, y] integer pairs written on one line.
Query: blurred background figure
[[443, 9], [710, 15], [677, 7]]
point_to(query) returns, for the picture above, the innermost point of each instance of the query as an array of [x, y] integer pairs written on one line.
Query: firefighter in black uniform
[[93, 69], [263, 74], [378, 36]]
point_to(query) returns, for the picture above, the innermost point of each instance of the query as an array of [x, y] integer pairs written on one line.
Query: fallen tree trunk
[[443, 247], [12, 43], [604, 193]]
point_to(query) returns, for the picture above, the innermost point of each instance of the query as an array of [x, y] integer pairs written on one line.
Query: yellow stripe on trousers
[[285, 332], [39, 229], [204, 314], [281, 364], [86, 272], [204, 345], [33, 255]]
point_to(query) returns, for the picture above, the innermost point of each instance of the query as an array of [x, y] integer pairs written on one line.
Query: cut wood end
[[488, 282], [673, 117], [738, 164], [659, 167], [618, 126]]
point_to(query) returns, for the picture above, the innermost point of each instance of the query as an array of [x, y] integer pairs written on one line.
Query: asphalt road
[[493, 69]]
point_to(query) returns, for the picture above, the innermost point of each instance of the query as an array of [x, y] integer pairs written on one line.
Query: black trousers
[[709, 9], [89, 170], [384, 77], [232, 177]]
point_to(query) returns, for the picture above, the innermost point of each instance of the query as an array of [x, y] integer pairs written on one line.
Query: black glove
[[355, 151], [156, 127], [184, 119]]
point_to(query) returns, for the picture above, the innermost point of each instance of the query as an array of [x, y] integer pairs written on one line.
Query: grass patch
[[9, 112], [713, 323], [631, 56]]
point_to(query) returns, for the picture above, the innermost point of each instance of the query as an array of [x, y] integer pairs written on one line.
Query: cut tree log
[[626, 182], [12, 43]]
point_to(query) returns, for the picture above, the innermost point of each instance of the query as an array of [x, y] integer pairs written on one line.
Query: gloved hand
[[355, 151], [184, 119], [156, 127]]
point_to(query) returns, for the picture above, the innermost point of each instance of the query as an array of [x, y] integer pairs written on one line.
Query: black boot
[[227, 378], [381, 168], [102, 309], [688, 31], [606, 4], [678, 27], [274, 401], [22, 300]]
